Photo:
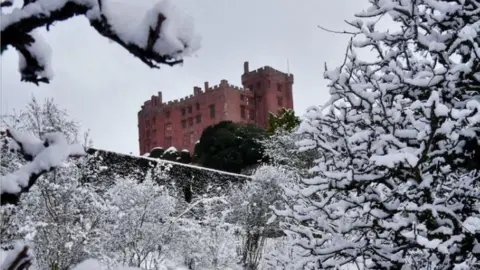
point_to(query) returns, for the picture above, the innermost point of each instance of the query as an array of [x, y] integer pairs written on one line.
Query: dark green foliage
[[285, 120], [157, 152], [185, 157], [171, 155], [230, 146]]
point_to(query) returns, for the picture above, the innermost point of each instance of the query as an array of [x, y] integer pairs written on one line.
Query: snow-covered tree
[[396, 184], [156, 34], [282, 151], [250, 209], [45, 117], [140, 234], [63, 218], [32, 127]]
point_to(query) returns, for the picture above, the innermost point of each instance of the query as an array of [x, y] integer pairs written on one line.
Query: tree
[[185, 157], [63, 218], [150, 40], [40, 119], [230, 146], [139, 235], [34, 126], [396, 182], [156, 152], [282, 151], [285, 120], [251, 211], [171, 154]]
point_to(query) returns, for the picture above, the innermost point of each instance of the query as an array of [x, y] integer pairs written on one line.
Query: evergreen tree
[[230, 146], [285, 120]]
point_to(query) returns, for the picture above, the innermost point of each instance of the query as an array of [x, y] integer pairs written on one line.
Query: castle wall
[[180, 123]]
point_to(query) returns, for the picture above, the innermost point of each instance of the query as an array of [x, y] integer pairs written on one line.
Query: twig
[[336, 32]]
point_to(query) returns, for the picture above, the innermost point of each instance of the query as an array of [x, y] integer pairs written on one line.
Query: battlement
[[197, 91], [180, 122], [264, 71], [157, 102]]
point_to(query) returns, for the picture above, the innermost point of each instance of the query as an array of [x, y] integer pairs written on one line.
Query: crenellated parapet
[[265, 71]]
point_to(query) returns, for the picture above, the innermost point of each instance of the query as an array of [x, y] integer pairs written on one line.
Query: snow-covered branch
[[19, 258], [396, 184], [160, 34], [44, 156]]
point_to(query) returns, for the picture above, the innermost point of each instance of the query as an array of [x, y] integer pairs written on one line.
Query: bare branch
[[336, 32]]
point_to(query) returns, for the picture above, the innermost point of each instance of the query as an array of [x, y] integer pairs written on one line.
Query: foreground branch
[[44, 156], [18, 31], [18, 259]]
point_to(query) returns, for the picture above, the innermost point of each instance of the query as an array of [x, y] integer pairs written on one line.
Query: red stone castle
[[180, 123]]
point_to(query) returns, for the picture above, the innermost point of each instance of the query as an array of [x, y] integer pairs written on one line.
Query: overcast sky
[[103, 86]]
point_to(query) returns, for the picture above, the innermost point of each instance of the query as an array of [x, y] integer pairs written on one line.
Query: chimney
[[245, 67], [206, 86], [160, 99], [223, 82], [197, 90]]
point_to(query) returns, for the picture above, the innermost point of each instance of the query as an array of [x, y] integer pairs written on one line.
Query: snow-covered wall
[[189, 180]]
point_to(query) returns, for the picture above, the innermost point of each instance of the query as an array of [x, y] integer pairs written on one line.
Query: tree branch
[[16, 32], [20, 181]]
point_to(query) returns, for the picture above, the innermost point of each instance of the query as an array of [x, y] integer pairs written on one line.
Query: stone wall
[[189, 180]]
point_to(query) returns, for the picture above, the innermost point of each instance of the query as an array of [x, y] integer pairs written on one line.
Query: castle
[[180, 123]]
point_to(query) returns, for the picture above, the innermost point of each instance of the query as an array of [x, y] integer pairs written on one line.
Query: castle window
[[279, 87], [199, 118], [241, 97], [184, 123], [280, 101], [259, 85], [168, 127], [189, 109], [190, 122], [242, 112], [197, 106], [250, 87], [186, 138], [212, 110], [183, 111], [252, 115], [167, 114], [248, 100]]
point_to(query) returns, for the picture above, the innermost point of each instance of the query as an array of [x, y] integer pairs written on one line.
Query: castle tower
[[180, 123], [272, 91]]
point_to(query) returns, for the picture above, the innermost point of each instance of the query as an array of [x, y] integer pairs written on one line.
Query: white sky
[[103, 86]]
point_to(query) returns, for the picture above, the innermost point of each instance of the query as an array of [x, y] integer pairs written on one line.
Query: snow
[[93, 264], [188, 165], [131, 21], [42, 52], [171, 149], [45, 158], [7, 257], [472, 224]]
